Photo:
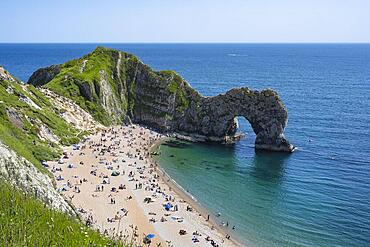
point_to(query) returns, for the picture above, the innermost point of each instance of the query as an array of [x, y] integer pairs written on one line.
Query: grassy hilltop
[[113, 85]]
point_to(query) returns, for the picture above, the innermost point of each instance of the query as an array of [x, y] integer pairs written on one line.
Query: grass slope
[[25, 221], [21, 132]]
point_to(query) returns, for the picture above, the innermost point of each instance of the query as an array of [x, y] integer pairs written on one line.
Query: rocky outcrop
[[5, 75], [44, 75], [163, 100], [24, 175], [72, 113]]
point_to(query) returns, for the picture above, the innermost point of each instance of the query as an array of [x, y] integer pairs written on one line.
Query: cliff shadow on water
[[269, 166], [228, 155], [263, 165], [240, 157]]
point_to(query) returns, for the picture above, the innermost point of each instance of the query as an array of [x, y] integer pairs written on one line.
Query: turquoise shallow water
[[317, 196], [270, 202]]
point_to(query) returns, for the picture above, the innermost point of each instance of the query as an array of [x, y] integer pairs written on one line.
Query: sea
[[317, 196]]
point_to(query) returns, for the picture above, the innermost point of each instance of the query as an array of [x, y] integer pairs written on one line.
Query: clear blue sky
[[185, 21]]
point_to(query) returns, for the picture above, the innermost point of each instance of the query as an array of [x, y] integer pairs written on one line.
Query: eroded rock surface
[[215, 117], [44, 75], [5, 75], [24, 175]]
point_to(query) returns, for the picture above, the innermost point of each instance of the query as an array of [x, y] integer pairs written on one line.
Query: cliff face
[[44, 75], [22, 174], [115, 87]]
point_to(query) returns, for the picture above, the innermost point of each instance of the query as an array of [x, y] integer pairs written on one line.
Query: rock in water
[[114, 86]]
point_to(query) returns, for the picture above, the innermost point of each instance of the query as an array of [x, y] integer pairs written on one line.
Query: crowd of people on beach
[[118, 162]]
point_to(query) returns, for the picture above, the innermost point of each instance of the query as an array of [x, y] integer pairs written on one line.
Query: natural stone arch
[[264, 111]]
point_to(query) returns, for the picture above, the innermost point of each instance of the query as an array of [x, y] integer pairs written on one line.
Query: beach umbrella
[[150, 236], [168, 206]]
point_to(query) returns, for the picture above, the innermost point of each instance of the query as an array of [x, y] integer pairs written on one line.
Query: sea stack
[[116, 87]]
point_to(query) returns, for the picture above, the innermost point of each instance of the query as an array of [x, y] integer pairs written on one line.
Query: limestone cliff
[[115, 86], [22, 174]]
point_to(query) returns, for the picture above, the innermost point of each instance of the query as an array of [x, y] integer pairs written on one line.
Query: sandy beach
[[119, 190]]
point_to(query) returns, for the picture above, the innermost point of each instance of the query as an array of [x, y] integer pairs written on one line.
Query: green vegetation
[[25, 221], [20, 124], [270, 93], [176, 86], [79, 80], [184, 102]]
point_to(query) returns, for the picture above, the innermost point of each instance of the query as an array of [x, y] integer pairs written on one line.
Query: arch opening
[[242, 130], [245, 128]]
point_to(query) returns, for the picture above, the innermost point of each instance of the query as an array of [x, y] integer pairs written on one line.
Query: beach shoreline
[[132, 203], [187, 196]]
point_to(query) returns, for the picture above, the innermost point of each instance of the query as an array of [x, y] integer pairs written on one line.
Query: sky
[[167, 21]]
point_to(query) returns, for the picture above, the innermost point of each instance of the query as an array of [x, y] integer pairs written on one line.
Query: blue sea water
[[317, 196]]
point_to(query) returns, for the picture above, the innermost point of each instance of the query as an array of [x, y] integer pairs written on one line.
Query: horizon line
[[97, 42]]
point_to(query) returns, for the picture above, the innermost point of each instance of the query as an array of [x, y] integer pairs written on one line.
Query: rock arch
[[266, 113]]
